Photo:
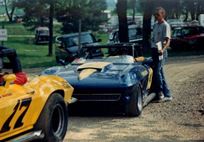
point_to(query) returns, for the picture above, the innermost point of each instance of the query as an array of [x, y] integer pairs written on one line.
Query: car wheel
[[53, 120], [135, 105]]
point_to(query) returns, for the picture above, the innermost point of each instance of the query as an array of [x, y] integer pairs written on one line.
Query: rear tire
[[53, 120], [135, 105]]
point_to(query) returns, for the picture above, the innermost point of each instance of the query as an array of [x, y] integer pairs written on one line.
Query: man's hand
[[161, 51], [166, 43]]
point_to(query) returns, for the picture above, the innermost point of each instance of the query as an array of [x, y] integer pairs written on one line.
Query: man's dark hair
[[162, 10]]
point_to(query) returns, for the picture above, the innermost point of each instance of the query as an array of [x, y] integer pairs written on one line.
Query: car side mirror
[[10, 78]]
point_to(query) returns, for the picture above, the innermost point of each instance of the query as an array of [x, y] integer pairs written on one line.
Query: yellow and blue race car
[[34, 110], [124, 79]]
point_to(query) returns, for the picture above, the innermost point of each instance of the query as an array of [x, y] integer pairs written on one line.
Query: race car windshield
[[120, 59]]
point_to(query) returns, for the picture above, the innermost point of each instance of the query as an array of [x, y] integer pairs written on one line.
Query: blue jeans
[[160, 84]]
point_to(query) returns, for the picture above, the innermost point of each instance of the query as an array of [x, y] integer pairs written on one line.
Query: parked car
[[175, 22], [187, 37], [134, 33], [67, 46], [135, 36], [118, 79], [42, 35]]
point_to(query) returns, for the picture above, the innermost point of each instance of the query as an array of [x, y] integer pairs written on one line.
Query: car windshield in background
[[134, 33], [190, 31], [74, 40], [187, 31], [44, 32]]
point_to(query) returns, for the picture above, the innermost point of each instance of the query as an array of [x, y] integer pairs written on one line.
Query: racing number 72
[[21, 103]]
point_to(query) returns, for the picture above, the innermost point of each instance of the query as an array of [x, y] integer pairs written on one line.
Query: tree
[[36, 12], [200, 8], [39, 13], [147, 16], [10, 9], [51, 17], [132, 6], [90, 12], [122, 17]]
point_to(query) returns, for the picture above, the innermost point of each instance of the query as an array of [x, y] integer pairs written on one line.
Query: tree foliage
[[90, 12], [66, 11], [36, 12], [176, 8]]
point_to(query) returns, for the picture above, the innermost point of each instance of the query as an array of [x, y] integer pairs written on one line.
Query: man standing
[[160, 42]]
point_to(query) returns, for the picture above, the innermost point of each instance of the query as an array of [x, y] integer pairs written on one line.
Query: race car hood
[[99, 75]]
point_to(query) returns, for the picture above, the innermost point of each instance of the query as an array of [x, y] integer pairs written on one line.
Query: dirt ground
[[179, 120]]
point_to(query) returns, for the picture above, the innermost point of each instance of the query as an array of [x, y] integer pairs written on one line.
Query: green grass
[[103, 37], [31, 55], [35, 56], [19, 29], [16, 29]]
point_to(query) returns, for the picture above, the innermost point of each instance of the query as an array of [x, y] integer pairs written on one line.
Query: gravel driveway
[[179, 120]]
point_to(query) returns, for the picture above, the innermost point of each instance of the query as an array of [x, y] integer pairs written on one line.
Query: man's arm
[[166, 42]]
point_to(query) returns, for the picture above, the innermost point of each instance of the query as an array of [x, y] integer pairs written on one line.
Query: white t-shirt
[[161, 31]]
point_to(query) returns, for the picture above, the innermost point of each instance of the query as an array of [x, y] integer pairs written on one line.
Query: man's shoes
[[167, 99], [163, 99], [161, 96]]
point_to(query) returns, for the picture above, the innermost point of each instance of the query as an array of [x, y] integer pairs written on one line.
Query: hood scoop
[[86, 73], [88, 69]]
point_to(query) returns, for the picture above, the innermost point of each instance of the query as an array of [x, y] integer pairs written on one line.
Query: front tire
[[135, 105], [53, 120]]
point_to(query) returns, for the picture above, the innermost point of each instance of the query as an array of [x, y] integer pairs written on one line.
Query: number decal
[[22, 103], [25, 103], [6, 126]]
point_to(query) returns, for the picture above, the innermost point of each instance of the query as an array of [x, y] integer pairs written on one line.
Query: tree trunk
[[192, 15], [9, 15], [122, 17], [51, 15], [148, 8], [186, 16], [133, 10]]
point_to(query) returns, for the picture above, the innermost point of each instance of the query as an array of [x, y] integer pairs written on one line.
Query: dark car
[[42, 35], [67, 46], [187, 37], [116, 79], [135, 36], [134, 33]]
